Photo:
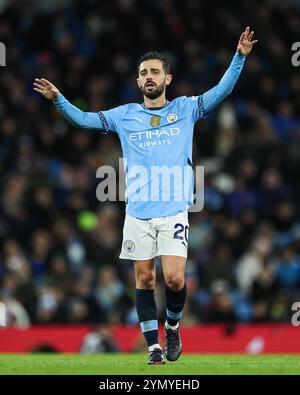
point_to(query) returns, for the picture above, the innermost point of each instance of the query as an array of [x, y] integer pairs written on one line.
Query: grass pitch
[[136, 364]]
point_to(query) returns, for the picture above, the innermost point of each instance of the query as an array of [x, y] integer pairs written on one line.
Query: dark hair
[[156, 55]]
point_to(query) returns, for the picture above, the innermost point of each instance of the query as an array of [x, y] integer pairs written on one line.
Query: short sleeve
[[195, 107], [110, 119]]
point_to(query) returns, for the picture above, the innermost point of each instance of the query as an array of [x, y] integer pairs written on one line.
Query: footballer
[[156, 133]]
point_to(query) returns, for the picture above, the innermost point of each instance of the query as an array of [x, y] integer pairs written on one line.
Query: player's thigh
[[145, 274], [173, 268], [139, 240], [172, 237]]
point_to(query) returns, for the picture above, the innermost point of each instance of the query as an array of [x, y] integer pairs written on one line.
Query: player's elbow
[[81, 121], [77, 124]]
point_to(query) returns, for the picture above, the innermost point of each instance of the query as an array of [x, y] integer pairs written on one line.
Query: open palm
[[246, 44], [46, 88]]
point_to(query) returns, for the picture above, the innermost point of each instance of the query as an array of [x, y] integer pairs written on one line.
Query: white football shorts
[[146, 239]]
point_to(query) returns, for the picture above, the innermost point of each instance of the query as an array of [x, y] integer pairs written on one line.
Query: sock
[[173, 327], [154, 346], [147, 313], [175, 303]]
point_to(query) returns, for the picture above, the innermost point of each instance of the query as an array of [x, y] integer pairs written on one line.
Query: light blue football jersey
[[157, 150], [156, 144]]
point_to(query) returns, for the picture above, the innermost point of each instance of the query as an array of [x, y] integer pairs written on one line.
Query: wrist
[[56, 96], [241, 54]]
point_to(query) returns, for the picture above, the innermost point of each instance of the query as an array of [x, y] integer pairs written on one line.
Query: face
[[152, 79]]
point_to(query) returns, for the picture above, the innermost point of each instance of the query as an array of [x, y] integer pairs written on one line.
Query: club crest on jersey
[[129, 246], [172, 118], [155, 121]]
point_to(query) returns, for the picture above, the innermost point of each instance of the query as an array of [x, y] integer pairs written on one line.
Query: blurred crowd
[[59, 245]]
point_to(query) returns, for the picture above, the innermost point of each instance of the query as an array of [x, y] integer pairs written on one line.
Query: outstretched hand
[[46, 88], [246, 44]]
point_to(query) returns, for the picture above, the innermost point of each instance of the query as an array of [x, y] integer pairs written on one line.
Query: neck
[[160, 101]]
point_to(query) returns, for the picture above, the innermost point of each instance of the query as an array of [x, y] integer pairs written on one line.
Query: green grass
[[117, 364]]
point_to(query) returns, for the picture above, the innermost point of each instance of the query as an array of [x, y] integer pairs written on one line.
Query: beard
[[154, 92]]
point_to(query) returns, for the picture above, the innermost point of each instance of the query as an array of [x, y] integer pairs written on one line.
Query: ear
[[138, 82], [169, 79]]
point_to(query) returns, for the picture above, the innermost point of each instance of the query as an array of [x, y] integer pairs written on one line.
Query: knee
[[146, 280], [175, 282]]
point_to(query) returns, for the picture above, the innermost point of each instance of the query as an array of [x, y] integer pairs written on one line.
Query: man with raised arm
[[156, 138]]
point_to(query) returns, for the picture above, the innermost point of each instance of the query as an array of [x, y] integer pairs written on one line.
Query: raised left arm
[[218, 93]]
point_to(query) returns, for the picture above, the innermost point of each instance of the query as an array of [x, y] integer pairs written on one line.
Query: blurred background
[[59, 246]]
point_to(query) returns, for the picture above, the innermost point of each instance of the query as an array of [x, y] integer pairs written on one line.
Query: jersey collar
[[155, 108]]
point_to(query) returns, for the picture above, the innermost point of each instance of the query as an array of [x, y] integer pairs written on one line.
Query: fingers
[[38, 87], [39, 82], [250, 38], [46, 82], [242, 37], [40, 90], [248, 35], [43, 86]]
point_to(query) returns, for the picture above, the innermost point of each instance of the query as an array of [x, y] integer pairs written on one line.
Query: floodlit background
[[59, 246]]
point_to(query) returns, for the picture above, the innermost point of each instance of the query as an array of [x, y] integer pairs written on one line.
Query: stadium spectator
[[99, 340]]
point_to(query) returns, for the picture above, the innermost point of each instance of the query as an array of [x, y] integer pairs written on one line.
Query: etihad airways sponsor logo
[[154, 134]]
